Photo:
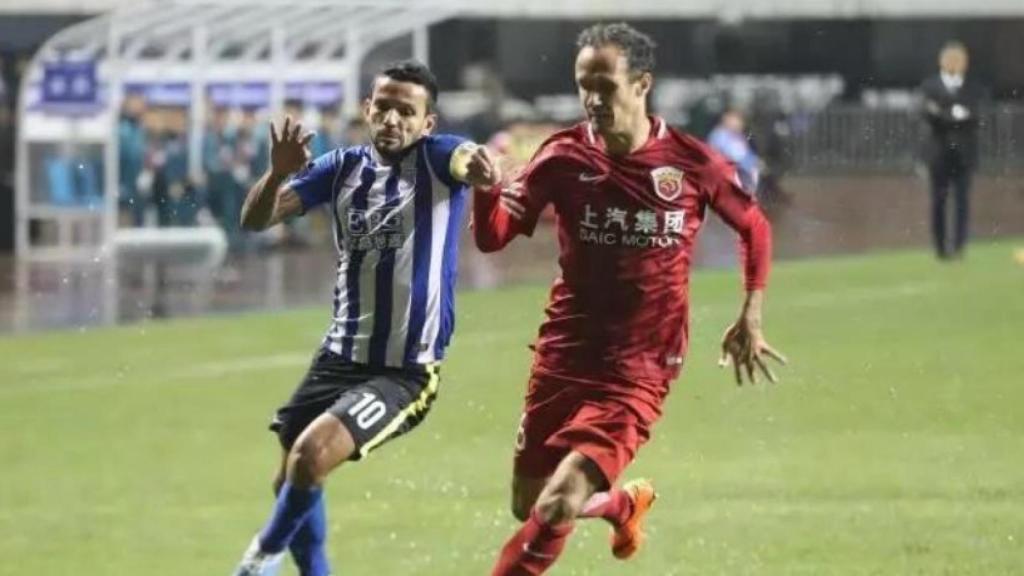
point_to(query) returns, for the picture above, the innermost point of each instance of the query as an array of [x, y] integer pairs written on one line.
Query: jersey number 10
[[368, 411]]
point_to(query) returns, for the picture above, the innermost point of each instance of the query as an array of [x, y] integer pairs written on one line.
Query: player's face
[[397, 115], [612, 96]]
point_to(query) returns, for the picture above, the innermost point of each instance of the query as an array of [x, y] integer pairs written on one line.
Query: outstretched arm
[[270, 201], [743, 344], [497, 213], [501, 210]]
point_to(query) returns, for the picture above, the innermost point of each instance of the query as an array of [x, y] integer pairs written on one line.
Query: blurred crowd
[[768, 126], [156, 186], [749, 120]]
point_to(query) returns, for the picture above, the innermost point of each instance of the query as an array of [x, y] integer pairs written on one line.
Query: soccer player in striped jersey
[[396, 205]]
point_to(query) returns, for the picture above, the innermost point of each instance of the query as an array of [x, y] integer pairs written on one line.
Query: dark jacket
[[952, 117]]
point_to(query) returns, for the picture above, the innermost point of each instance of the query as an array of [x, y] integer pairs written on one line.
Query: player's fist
[[289, 148], [475, 165]]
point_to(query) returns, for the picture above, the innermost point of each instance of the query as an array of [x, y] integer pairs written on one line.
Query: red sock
[[533, 549], [613, 505]]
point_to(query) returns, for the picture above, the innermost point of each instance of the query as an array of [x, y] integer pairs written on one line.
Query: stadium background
[[132, 440]]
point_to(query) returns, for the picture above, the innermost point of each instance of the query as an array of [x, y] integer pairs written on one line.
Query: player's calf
[[525, 492]]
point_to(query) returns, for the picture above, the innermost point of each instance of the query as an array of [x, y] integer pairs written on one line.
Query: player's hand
[[289, 149], [745, 347], [512, 199], [482, 170]]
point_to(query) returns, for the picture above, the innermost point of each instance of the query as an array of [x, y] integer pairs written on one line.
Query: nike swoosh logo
[[526, 550], [590, 177]]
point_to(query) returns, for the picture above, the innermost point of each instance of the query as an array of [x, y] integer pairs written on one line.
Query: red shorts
[[564, 415]]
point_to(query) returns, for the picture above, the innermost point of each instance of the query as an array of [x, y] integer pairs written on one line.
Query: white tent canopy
[[277, 43], [635, 9], [189, 45]]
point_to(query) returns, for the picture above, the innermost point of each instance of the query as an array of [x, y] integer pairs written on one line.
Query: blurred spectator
[[771, 135], [702, 116], [328, 134], [174, 194], [132, 150], [481, 78], [295, 109], [72, 175], [355, 133], [7, 147], [6, 136], [951, 102], [730, 139], [220, 160], [253, 139], [495, 107]]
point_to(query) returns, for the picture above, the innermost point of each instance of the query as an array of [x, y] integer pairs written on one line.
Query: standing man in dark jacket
[[952, 104]]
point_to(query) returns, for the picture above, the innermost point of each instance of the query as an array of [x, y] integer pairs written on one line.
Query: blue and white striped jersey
[[397, 231]]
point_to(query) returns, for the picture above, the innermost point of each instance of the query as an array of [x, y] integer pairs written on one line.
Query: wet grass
[[893, 446]]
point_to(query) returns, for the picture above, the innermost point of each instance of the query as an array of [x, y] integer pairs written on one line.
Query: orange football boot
[[629, 537]]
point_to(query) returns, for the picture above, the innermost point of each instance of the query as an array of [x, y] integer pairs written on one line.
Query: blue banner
[[319, 94], [71, 83], [162, 93], [239, 94]]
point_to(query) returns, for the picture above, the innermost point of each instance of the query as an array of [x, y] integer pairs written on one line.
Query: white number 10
[[368, 411]]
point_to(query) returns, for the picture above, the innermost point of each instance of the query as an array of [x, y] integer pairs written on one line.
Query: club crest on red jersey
[[668, 182]]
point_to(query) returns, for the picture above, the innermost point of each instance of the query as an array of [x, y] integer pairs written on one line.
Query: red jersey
[[627, 228]]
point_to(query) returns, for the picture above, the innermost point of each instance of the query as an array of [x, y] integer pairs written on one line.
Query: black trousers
[[950, 175]]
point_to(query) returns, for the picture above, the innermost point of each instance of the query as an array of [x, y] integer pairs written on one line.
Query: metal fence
[[848, 138]]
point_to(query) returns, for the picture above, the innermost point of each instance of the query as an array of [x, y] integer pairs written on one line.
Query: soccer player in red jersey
[[630, 195]]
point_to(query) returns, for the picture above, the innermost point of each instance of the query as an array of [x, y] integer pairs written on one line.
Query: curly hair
[[635, 45]]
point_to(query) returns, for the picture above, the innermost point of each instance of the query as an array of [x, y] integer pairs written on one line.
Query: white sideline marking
[[246, 364], [207, 372], [864, 294], [200, 373]]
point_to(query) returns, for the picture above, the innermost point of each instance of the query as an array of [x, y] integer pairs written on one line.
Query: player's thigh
[[323, 446], [327, 378], [386, 406], [608, 434], [549, 406]]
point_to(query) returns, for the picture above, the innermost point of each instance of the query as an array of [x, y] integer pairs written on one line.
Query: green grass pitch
[[893, 446]]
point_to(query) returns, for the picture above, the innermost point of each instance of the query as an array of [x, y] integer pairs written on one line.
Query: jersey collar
[[658, 130]]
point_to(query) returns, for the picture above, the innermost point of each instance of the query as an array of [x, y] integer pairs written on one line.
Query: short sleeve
[[314, 184]]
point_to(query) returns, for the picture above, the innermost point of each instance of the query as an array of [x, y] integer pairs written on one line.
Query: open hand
[[744, 346], [289, 151]]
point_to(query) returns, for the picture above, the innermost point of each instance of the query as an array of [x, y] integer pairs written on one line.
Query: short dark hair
[[635, 45], [954, 45], [415, 72]]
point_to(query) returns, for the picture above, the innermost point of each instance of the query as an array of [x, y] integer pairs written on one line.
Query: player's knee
[[306, 463]]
